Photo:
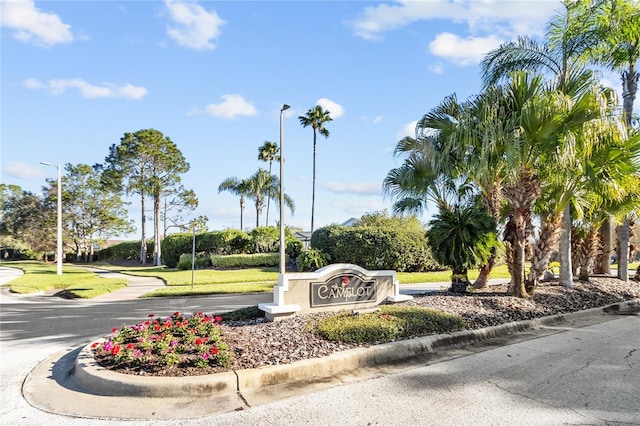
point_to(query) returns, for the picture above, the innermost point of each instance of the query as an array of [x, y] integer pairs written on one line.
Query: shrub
[[390, 323], [265, 239], [245, 260], [128, 250], [201, 261], [311, 260], [378, 241]]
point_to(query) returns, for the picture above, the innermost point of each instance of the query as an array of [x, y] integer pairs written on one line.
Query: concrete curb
[[89, 376]]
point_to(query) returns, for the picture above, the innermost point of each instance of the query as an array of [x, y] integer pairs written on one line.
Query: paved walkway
[[136, 288]]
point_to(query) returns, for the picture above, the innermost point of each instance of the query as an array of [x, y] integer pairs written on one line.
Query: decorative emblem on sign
[[343, 290]]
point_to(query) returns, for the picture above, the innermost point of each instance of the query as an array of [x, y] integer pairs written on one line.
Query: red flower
[[114, 329], [215, 350], [95, 345], [151, 315], [167, 325], [157, 328], [345, 281], [217, 319], [199, 341], [200, 313], [131, 346], [115, 350], [176, 313]]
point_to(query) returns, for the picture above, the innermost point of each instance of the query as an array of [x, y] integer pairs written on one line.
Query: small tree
[[462, 237]]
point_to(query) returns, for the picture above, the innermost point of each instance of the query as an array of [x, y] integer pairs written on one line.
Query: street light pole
[[282, 243], [59, 237]]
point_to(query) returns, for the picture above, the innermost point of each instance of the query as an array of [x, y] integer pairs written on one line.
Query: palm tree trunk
[[542, 249], [313, 191], [459, 282], [518, 245], [588, 254], [483, 278], [566, 273], [269, 195], [603, 261], [143, 237], [242, 212], [623, 234]]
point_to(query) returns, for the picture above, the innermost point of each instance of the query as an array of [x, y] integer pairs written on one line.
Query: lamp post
[[193, 254], [282, 243], [59, 243]]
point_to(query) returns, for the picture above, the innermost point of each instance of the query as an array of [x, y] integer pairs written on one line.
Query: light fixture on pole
[[282, 243], [59, 238]]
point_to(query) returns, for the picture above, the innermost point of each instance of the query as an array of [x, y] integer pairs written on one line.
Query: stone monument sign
[[332, 288]]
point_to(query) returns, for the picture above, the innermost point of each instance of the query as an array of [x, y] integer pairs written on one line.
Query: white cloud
[[508, 18], [463, 51], [90, 91], [353, 188], [25, 170], [408, 129], [335, 109], [195, 27], [233, 106], [32, 25]]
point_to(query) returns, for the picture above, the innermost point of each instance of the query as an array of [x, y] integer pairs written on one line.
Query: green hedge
[[245, 260], [128, 250], [378, 242], [201, 261]]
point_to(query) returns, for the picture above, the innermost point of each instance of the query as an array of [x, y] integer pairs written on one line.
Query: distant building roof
[[350, 222]]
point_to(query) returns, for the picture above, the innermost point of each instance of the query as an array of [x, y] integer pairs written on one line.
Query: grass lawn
[[76, 282]]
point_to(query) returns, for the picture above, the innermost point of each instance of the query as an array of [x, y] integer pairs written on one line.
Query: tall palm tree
[[269, 152], [261, 185], [618, 29], [562, 56], [316, 117], [237, 187]]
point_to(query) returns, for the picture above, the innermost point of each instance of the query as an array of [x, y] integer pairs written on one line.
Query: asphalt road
[[582, 373]]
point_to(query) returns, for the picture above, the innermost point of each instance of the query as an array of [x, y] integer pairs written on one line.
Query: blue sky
[[213, 75]]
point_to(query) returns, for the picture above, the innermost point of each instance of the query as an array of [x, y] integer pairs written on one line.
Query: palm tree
[[269, 152], [236, 187], [316, 117], [569, 36], [618, 29], [261, 185], [462, 237]]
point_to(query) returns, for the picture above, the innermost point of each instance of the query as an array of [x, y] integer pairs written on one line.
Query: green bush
[[201, 261], [245, 260], [222, 242], [311, 260], [128, 250], [265, 239], [378, 241], [390, 323]]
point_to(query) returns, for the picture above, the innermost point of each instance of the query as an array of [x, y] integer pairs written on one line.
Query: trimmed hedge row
[[245, 260]]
